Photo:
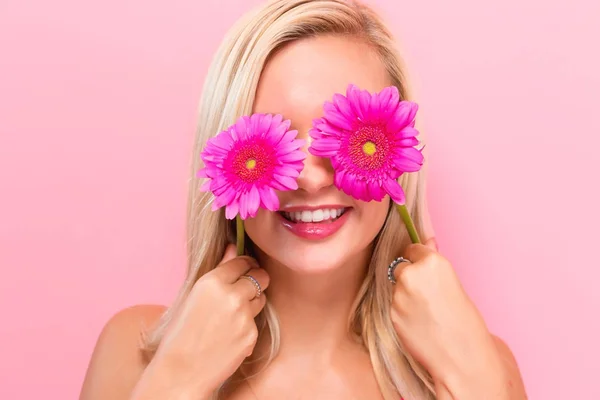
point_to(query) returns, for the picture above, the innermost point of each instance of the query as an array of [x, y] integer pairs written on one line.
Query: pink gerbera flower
[[248, 161], [370, 139]]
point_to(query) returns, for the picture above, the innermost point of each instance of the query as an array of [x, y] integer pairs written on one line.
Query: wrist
[[479, 377]]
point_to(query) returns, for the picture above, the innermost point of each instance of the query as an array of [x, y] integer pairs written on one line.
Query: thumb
[[230, 253], [432, 244]]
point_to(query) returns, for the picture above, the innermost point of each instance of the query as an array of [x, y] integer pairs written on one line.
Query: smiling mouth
[[324, 215]]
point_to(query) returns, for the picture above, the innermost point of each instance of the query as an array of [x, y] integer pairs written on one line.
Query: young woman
[[319, 318]]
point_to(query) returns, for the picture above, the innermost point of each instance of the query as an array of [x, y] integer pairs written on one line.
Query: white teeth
[[314, 215], [317, 216], [306, 216]]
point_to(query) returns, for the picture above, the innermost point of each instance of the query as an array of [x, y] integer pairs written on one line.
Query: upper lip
[[312, 208]]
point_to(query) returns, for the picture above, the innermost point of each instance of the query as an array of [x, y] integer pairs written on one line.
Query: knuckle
[[266, 278], [208, 284], [430, 258], [251, 335], [235, 302], [249, 261], [434, 259], [408, 276]]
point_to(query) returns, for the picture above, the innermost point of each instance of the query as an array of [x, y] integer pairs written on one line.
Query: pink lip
[[314, 230]]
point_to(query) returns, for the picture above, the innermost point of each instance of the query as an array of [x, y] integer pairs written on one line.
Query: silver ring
[[255, 283], [393, 266]]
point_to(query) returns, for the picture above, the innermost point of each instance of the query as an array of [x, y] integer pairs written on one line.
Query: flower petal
[[242, 125], [277, 132], [407, 142], [364, 101], [338, 178], [253, 201], [403, 116], [254, 127], [385, 96], [243, 202], [286, 170], [285, 148], [353, 95], [314, 132], [335, 118], [225, 198], [289, 136], [264, 125], [205, 187], [373, 107], [375, 191], [393, 188], [218, 184], [231, 210], [360, 190], [297, 155], [343, 105], [410, 153], [277, 186], [287, 182], [268, 198], [282, 134], [324, 147], [393, 101]]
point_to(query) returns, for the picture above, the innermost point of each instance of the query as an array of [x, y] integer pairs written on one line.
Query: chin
[[310, 259], [309, 247]]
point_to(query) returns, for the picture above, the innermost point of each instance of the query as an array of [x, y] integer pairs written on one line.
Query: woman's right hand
[[212, 334]]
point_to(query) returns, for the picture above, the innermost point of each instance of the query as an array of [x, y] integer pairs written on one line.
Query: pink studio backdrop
[[97, 108]]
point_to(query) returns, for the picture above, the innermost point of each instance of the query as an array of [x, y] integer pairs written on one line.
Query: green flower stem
[[240, 235], [408, 222]]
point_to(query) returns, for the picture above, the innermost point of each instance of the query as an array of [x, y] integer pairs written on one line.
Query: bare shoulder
[[504, 350], [117, 361], [515, 380]]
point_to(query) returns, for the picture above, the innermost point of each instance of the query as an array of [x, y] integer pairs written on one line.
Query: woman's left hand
[[442, 329]]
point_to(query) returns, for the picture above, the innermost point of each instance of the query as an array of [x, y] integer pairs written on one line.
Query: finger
[[230, 271], [400, 267], [417, 251], [257, 304], [413, 253], [432, 243], [247, 287], [230, 253]]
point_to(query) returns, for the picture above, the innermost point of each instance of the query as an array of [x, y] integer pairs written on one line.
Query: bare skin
[[313, 294]]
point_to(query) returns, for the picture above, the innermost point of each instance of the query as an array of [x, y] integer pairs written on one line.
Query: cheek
[[256, 228], [372, 215]]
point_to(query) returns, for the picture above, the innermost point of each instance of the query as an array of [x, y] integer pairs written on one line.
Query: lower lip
[[315, 230]]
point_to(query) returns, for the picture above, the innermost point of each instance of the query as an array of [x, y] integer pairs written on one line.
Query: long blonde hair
[[228, 93]]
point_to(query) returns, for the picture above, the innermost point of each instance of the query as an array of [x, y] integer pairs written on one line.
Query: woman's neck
[[314, 309]]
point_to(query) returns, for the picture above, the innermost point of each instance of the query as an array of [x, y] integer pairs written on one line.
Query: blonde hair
[[228, 93]]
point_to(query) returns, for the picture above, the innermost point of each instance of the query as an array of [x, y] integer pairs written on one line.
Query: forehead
[[305, 73]]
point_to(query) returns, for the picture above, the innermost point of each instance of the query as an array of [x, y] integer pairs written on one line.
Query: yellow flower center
[[251, 164], [369, 148]]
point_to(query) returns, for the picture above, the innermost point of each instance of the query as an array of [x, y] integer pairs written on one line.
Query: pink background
[[97, 107]]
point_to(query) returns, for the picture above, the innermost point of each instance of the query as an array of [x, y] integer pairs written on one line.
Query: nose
[[316, 174]]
